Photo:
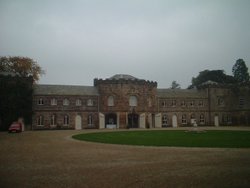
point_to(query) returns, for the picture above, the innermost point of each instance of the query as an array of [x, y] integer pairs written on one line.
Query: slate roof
[[181, 93], [64, 90]]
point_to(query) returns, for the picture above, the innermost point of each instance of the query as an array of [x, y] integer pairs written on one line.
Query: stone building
[[123, 101]]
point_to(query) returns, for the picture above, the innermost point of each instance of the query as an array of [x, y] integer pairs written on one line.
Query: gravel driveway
[[53, 159]]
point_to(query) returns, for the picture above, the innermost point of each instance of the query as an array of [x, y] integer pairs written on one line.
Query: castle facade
[[123, 101]]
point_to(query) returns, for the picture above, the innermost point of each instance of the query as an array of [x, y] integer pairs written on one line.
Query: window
[[53, 102], [90, 120], [65, 102], [78, 102], [183, 103], [202, 119], [173, 103], [184, 119], [201, 103], [192, 103], [53, 120], [90, 102], [132, 101], [66, 120], [40, 101], [110, 101], [40, 120], [220, 101], [163, 104], [241, 102], [193, 120], [164, 120]]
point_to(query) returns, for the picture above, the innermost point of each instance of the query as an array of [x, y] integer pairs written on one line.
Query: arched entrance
[[133, 120], [111, 121], [216, 120], [174, 121], [78, 122]]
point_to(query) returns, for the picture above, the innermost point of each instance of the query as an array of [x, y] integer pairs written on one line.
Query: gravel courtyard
[[54, 159]]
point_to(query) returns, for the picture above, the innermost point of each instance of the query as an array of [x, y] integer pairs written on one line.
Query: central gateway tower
[[126, 102]]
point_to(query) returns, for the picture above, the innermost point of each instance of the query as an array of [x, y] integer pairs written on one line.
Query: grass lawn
[[213, 138]]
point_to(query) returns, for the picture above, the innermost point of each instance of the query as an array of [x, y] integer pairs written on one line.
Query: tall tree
[[22, 66], [175, 85], [240, 71], [212, 75]]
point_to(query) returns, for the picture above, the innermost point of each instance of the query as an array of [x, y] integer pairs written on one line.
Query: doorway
[[174, 121], [78, 122], [133, 120]]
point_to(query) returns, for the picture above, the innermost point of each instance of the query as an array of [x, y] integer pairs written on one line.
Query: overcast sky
[[159, 40]]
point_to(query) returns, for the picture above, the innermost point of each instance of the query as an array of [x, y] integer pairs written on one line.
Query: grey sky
[[77, 41]]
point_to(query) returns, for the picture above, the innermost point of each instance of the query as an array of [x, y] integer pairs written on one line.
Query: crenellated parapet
[[125, 80]]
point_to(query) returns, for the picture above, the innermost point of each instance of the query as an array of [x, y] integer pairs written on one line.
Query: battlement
[[98, 82]]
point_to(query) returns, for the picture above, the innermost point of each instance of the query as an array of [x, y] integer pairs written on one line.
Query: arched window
[[132, 101], [40, 120], [53, 102], [66, 102], [53, 119], [78, 102], [110, 101], [66, 120], [164, 120]]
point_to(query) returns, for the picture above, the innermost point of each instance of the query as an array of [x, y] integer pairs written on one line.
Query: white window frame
[[132, 101], [53, 102], [40, 121], [40, 101], [53, 120], [173, 104], [78, 102], [65, 102], [202, 119], [90, 102], [66, 120], [110, 101], [184, 119]]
